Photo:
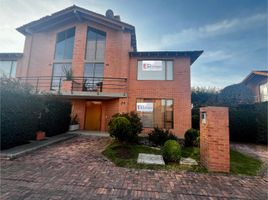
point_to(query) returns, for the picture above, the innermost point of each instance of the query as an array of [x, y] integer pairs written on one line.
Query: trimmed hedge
[[19, 113], [171, 151], [23, 114], [55, 118], [120, 128], [248, 123]]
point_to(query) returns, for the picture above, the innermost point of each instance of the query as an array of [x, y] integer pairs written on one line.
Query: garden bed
[[125, 155]]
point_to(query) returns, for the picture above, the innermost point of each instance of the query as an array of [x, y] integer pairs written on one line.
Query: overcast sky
[[232, 33]]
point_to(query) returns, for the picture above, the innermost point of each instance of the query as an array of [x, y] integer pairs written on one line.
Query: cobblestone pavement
[[76, 169]]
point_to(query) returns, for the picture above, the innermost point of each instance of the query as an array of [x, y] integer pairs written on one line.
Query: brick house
[[109, 75]]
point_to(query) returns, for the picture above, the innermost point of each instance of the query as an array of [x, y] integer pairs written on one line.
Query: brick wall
[[178, 89], [214, 139]]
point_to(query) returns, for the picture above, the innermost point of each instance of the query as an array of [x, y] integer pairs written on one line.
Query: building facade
[[8, 64], [92, 60], [257, 82]]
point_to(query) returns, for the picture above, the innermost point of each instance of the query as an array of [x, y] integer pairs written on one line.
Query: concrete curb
[[19, 151]]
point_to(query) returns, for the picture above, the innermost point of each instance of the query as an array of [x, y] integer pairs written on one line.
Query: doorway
[[93, 116]]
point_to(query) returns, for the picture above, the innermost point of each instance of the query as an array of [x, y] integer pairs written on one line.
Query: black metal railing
[[76, 84]]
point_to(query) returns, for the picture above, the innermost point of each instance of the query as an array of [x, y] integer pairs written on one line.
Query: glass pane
[[59, 50], [100, 48], [88, 83], [159, 113], [151, 70], [264, 92], [58, 74], [65, 44], [169, 114], [69, 45], [5, 68], [147, 118], [13, 69], [91, 46], [169, 70]]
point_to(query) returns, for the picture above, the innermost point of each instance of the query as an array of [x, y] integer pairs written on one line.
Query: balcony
[[78, 87]]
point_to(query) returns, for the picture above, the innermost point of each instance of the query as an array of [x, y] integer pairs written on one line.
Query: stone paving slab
[[144, 158], [188, 161], [21, 150], [76, 169]]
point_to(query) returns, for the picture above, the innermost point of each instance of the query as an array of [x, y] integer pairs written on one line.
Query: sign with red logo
[[152, 65]]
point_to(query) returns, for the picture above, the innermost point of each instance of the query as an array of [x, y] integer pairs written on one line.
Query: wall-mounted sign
[[152, 65], [145, 107]]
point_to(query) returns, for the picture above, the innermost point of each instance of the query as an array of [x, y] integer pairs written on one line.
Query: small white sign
[[145, 107], [150, 65]]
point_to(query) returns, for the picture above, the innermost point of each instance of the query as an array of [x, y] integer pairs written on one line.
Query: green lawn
[[125, 155]]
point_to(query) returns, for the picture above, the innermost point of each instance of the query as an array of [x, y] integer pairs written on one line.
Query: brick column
[[79, 51], [214, 139]]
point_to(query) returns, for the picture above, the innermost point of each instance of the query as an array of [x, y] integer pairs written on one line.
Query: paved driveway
[[75, 169]]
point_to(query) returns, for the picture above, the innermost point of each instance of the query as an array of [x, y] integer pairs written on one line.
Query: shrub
[[135, 125], [135, 121], [120, 128], [171, 151], [190, 137], [55, 118], [159, 136], [19, 113]]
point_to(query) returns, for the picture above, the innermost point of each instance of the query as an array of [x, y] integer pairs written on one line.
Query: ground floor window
[[155, 112]]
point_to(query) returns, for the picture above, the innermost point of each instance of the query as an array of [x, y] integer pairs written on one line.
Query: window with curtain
[[155, 112], [94, 59], [155, 70]]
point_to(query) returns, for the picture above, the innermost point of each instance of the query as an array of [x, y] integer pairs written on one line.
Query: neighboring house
[[257, 82], [8, 64], [109, 75]]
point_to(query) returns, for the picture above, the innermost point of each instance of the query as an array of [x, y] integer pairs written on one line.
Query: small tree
[[120, 128]]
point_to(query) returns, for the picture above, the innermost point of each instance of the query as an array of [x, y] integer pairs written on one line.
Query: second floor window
[[95, 56], [65, 45], [155, 70], [95, 51]]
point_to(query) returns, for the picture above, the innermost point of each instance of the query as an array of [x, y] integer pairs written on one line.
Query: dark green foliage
[[202, 96], [159, 136], [135, 125], [235, 94], [23, 114], [191, 138], [171, 151], [195, 118], [55, 118], [248, 123], [135, 121], [120, 128], [19, 113]]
